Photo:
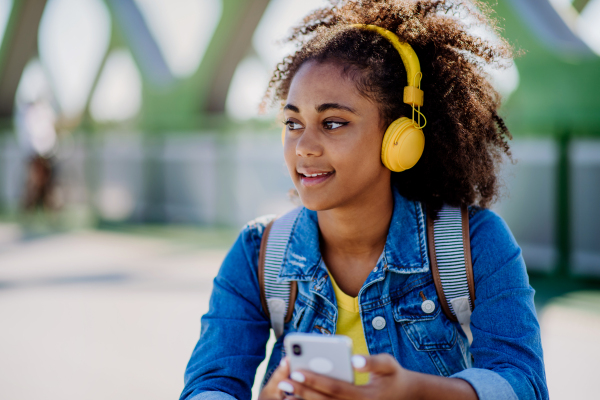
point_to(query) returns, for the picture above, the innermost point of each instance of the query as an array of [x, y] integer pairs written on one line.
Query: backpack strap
[[452, 270], [275, 296]]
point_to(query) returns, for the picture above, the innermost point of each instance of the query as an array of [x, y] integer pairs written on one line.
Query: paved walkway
[[104, 315]]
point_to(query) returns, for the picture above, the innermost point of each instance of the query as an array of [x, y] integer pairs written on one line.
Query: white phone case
[[326, 355]]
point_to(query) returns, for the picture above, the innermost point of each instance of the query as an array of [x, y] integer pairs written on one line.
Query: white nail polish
[[283, 362], [358, 361], [286, 387], [297, 376]]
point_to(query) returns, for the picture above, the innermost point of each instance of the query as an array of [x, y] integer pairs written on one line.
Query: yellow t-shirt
[[349, 324]]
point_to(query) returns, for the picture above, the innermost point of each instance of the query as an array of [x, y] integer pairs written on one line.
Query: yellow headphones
[[404, 141]]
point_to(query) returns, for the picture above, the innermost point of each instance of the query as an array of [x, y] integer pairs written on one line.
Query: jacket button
[[428, 306], [378, 323]]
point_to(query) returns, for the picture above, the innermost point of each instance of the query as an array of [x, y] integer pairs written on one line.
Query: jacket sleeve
[[235, 330], [507, 347]]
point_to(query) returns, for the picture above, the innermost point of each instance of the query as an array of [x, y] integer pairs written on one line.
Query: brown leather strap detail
[[467, 247], [261, 267], [435, 271], [292, 302]]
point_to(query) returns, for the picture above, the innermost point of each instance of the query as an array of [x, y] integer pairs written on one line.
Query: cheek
[[289, 155], [363, 156]]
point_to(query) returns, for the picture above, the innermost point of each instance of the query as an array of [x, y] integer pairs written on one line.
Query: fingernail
[[283, 362], [297, 376], [358, 361], [286, 387]]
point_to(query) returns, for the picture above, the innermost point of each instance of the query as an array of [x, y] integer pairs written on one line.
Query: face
[[333, 140]]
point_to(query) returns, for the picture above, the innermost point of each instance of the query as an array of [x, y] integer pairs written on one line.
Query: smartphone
[[326, 355]]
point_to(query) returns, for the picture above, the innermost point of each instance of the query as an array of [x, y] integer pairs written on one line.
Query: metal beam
[[550, 27], [199, 100], [19, 45], [233, 49], [556, 88], [579, 5], [563, 205], [141, 42]]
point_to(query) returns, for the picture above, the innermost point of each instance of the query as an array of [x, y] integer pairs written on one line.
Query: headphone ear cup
[[402, 145], [283, 136]]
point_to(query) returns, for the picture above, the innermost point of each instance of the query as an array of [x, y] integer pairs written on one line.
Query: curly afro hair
[[465, 137]]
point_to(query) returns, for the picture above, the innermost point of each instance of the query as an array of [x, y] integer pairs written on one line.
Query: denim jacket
[[504, 361]]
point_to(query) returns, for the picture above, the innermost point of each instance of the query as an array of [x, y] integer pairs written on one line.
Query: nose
[[309, 143]]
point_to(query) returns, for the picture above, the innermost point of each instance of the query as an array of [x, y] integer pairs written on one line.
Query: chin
[[317, 203]]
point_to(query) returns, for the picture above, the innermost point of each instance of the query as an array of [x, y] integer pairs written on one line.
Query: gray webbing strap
[[278, 293], [451, 265]]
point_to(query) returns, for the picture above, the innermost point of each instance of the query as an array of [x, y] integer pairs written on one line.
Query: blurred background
[[132, 152]]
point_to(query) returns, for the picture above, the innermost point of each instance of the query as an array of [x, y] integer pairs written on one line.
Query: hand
[[388, 380], [270, 391]]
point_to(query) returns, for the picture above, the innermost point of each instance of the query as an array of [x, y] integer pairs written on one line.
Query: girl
[[357, 249]]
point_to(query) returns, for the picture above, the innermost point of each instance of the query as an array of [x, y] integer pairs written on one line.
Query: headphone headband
[[412, 93]]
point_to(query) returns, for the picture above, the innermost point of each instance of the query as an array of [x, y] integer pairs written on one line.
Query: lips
[[314, 175], [311, 178]]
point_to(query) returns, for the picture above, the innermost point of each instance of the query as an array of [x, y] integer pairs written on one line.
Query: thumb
[[381, 364]]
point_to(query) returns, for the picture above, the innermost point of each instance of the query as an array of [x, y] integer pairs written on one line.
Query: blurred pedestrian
[[35, 122]]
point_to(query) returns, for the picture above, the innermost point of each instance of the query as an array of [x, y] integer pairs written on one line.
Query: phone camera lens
[[297, 349]]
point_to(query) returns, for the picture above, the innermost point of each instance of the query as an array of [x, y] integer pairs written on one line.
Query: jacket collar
[[405, 249]]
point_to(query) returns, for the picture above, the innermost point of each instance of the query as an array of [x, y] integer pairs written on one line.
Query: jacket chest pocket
[[430, 334], [423, 328], [419, 313], [307, 320]]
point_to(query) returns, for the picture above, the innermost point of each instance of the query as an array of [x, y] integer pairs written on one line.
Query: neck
[[358, 229]]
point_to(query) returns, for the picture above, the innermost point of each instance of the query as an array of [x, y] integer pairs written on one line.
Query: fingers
[[271, 389], [311, 386], [282, 371], [382, 364]]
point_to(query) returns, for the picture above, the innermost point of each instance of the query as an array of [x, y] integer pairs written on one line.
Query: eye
[[292, 125], [334, 124]]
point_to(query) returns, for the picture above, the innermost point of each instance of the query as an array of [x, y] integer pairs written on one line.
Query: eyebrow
[[322, 108], [333, 106], [291, 108]]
